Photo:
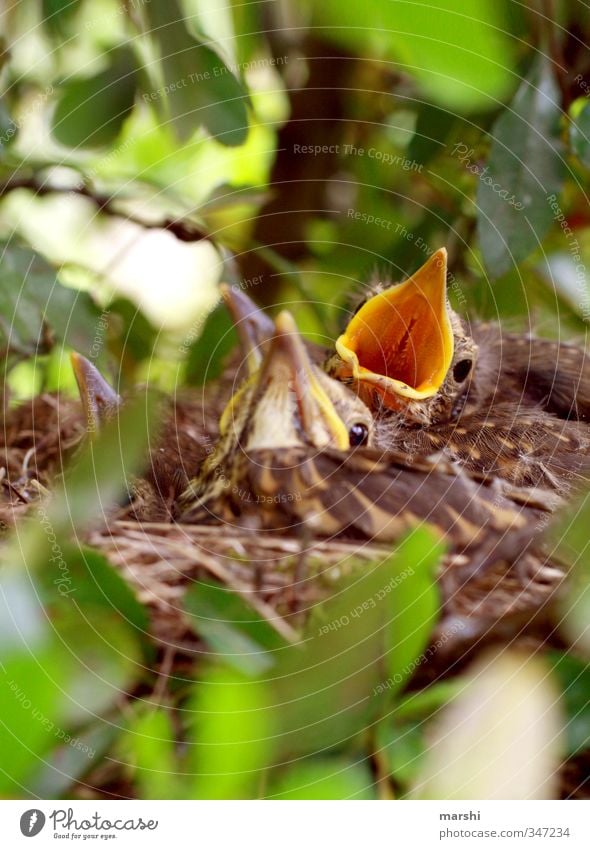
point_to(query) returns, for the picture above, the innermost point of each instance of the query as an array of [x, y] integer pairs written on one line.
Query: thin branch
[[184, 230]]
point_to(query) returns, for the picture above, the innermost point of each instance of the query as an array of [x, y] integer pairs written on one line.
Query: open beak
[[99, 400], [289, 404], [400, 343], [253, 326]]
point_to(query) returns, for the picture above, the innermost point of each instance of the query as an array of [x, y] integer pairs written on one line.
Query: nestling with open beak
[[406, 350], [500, 404]]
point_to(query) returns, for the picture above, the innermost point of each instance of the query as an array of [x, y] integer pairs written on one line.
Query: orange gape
[[401, 341]]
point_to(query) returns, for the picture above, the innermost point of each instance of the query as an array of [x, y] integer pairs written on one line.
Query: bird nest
[[279, 575]]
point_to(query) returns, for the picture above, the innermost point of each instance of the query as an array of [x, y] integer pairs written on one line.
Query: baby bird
[[504, 405]]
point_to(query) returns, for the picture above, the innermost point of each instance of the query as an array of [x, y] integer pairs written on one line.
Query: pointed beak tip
[[285, 323], [439, 259], [80, 365]]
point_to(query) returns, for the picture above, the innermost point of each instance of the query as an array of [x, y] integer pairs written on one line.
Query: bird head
[[405, 349], [287, 405], [289, 401]]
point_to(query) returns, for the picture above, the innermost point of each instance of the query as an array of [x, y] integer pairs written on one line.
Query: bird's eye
[[461, 370], [358, 434]]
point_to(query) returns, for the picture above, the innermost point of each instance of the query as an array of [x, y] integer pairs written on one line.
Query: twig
[[184, 230]]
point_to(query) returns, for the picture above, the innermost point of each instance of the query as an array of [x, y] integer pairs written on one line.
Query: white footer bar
[[296, 825]]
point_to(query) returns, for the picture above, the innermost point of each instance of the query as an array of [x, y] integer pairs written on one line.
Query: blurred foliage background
[[150, 149]]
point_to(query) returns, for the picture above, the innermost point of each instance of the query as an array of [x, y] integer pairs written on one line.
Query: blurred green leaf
[[53, 680], [580, 135], [402, 747], [31, 298], [91, 111], [206, 356], [414, 602], [574, 676], [199, 89], [401, 736], [324, 779], [358, 646], [462, 56], [21, 616], [104, 470], [231, 735], [98, 584], [134, 337], [425, 702], [8, 128], [567, 291], [150, 747], [568, 533], [70, 762], [57, 14], [100, 657], [232, 629], [433, 125], [525, 168], [31, 701]]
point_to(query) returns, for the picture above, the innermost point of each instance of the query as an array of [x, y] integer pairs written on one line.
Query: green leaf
[[231, 628], [426, 702], [70, 762], [198, 87], [580, 135], [135, 337], [98, 584], [324, 779], [31, 704], [330, 686], [47, 689], [91, 111], [461, 54], [31, 298], [231, 738], [149, 745], [100, 658], [414, 603], [104, 469], [58, 14], [207, 354], [568, 534], [22, 623], [525, 169], [432, 128], [573, 674], [402, 748], [8, 127]]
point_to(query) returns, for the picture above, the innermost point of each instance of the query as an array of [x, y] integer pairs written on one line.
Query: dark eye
[[358, 434], [461, 370]]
